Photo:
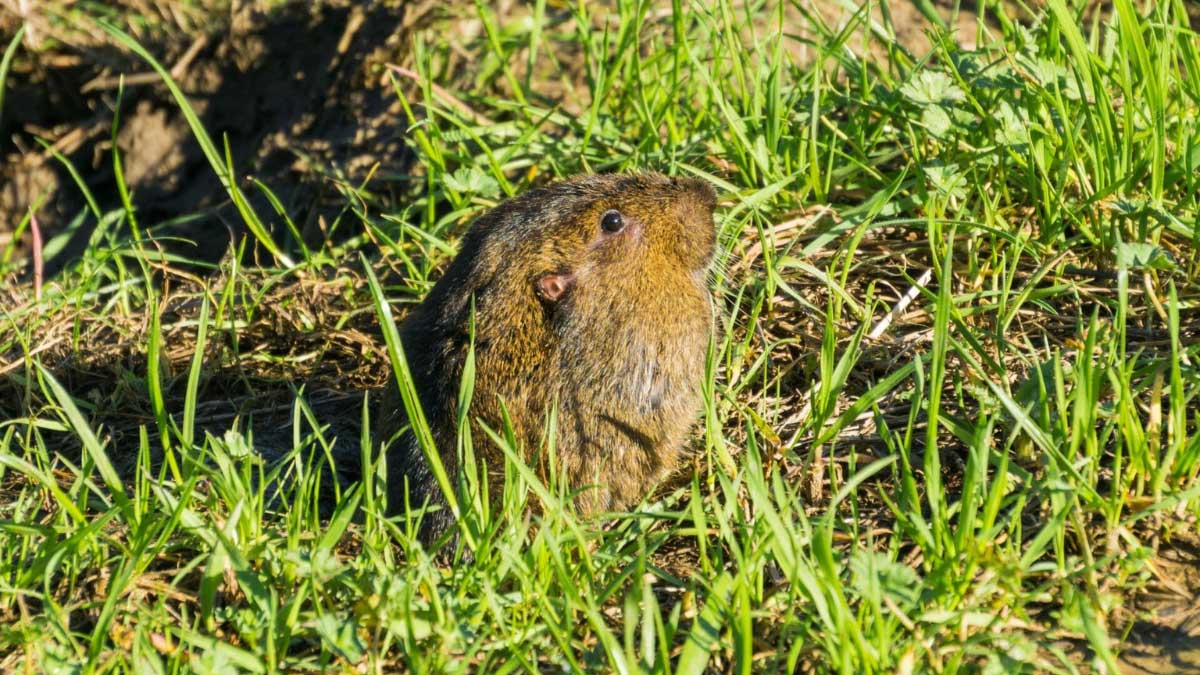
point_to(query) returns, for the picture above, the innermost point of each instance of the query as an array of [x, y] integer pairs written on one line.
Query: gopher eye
[[612, 222]]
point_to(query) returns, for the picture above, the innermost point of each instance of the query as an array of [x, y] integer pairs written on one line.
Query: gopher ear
[[552, 287]]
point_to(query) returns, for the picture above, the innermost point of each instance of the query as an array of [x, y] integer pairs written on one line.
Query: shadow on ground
[[298, 92]]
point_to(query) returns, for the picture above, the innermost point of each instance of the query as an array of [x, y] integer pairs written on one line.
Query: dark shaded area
[[1158, 649], [1165, 632], [299, 93], [305, 340]]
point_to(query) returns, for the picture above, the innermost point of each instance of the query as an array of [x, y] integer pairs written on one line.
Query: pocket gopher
[[589, 294]]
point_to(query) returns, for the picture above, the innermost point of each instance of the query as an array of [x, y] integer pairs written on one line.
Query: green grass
[[979, 488]]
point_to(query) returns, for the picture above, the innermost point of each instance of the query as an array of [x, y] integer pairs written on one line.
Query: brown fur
[[621, 350]]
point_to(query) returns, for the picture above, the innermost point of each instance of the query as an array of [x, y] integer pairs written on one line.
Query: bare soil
[[1165, 637], [298, 92]]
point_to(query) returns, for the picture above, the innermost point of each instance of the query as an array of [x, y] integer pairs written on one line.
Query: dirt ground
[[308, 121], [299, 120], [1166, 638]]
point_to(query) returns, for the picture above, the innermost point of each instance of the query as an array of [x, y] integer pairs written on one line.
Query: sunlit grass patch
[[950, 411]]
